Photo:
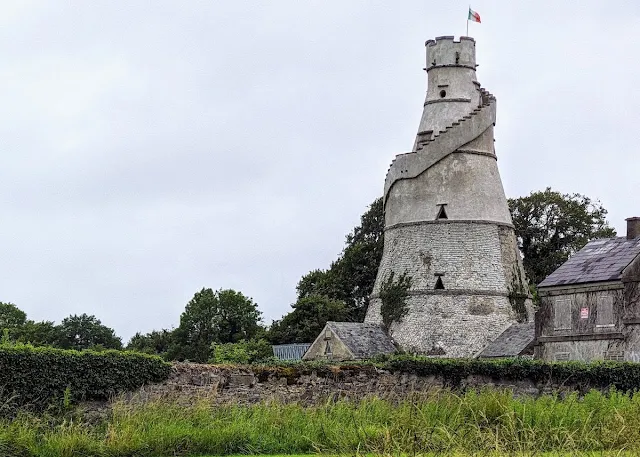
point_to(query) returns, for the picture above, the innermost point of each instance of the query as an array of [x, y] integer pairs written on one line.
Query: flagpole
[[468, 21]]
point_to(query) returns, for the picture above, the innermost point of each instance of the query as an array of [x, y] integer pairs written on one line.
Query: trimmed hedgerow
[[40, 376], [623, 376]]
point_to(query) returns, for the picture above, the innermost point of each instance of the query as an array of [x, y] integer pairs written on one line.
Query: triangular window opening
[[327, 349], [439, 284], [442, 213]]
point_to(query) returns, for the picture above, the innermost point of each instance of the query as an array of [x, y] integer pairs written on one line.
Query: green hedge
[[40, 376], [623, 376]]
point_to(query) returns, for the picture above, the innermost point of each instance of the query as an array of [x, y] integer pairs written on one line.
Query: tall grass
[[439, 422]]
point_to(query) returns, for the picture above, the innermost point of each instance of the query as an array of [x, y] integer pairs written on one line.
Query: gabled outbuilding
[[350, 341]]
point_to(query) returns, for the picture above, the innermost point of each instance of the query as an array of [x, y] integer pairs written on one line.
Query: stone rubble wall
[[250, 385]]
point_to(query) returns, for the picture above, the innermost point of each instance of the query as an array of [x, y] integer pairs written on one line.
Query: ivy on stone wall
[[519, 294], [393, 294], [38, 377], [623, 376]]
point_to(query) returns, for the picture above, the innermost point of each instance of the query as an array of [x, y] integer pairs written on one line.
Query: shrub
[[393, 294], [623, 376], [38, 377], [251, 351]]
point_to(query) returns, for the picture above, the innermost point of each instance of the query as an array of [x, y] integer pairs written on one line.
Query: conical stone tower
[[447, 222]]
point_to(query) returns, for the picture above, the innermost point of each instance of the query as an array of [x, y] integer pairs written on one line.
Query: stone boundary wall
[[248, 385]]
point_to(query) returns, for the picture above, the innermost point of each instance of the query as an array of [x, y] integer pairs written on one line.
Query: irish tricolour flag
[[473, 16]]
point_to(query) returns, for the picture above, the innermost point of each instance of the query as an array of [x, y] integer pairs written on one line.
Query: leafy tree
[[309, 316], [340, 293], [43, 333], [20, 329], [239, 317], [351, 277], [256, 350], [224, 316], [551, 226], [11, 316], [157, 342], [86, 332]]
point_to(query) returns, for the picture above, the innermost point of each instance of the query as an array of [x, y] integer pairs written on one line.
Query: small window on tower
[[442, 213], [439, 284]]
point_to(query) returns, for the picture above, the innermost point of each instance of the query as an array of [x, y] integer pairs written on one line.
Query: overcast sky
[[149, 149]]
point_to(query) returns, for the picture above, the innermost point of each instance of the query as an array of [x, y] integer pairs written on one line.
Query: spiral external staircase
[[432, 148]]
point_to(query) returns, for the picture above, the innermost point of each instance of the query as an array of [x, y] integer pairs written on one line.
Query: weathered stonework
[[248, 385], [446, 217], [590, 321]]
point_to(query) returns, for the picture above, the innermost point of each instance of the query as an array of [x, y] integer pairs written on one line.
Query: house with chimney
[[590, 306]]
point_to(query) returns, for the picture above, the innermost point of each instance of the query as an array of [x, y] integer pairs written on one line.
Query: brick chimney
[[633, 227]]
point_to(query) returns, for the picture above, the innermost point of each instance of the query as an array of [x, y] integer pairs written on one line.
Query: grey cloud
[[151, 149]]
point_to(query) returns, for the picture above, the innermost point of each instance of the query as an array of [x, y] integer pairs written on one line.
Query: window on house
[[562, 313], [560, 356], [604, 311], [439, 284], [442, 213]]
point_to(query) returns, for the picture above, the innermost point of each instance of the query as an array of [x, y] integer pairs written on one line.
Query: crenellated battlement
[[445, 51]]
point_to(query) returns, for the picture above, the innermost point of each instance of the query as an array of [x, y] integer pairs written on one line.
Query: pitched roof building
[[516, 341], [350, 341], [590, 306]]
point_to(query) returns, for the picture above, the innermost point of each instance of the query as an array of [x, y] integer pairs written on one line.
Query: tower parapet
[[444, 51]]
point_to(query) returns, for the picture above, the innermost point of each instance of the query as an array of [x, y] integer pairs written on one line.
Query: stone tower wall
[[469, 185], [475, 306], [473, 249]]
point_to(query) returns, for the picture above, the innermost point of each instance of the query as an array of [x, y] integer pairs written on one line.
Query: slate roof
[[512, 342], [290, 351], [364, 340], [599, 260]]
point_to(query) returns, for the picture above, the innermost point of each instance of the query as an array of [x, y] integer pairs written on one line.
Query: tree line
[[225, 325]]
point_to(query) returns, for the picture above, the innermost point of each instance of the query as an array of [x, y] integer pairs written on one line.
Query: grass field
[[478, 454], [490, 423], [463, 454]]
